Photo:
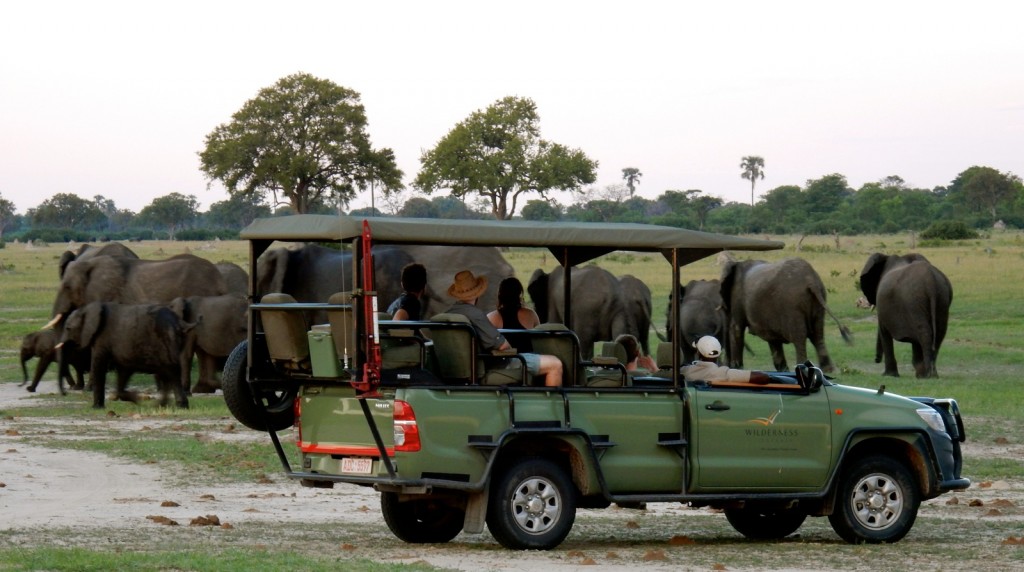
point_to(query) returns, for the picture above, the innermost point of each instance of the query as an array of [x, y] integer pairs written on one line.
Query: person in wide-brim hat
[[467, 287]]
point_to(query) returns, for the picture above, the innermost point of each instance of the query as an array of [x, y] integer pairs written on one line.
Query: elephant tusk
[[58, 346], [53, 322]]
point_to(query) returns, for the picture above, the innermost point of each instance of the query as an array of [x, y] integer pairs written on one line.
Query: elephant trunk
[[25, 356]]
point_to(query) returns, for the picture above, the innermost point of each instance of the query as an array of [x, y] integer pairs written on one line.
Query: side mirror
[[809, 377]]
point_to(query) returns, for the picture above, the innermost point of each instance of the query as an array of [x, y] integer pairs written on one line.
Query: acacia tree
[[302, 140], [753, 169], [632, 176], [66, 210], [498, 153], [173, 211]]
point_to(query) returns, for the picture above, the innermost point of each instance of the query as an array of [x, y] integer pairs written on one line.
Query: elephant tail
[[843, 330], [661, 337]]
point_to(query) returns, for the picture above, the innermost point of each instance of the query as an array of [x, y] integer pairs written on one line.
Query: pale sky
[[115, 98]]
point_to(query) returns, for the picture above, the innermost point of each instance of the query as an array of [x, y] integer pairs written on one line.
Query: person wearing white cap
[[466, 289], [707, 369]]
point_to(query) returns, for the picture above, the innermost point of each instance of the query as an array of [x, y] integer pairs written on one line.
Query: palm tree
[[632, 176], [753, 169]]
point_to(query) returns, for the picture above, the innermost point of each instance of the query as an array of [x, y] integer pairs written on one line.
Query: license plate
[[357, 465]]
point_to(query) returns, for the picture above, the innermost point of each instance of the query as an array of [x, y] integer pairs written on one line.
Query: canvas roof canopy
[[571, 243]]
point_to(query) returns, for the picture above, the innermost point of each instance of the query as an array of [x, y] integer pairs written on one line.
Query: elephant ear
[[871, 275], [94, 315], [67, 258], [537, 287], [273, 268], [729, 273]]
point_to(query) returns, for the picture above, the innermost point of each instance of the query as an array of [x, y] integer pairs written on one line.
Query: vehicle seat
[[663, 356], [286, 334], [455, 348], [562, 343], [609, 365]]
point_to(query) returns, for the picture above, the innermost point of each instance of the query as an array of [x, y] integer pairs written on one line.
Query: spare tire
[[268, 410]]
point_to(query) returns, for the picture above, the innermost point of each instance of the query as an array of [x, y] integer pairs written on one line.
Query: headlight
[[932, 418]]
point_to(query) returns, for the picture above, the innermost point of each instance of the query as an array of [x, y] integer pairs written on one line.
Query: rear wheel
[[422, 520], [765, 524], [877, 501], [238, 395], [532, 506]]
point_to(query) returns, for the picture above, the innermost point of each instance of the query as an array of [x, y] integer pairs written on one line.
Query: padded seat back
[[663, 357], [455, 347], [285, 333], [614, 355], [562, 343]]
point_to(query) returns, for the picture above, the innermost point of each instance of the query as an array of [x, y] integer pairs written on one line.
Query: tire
[[532, 506], [765, 524], [280, 408], [877, 501], [421, 521]]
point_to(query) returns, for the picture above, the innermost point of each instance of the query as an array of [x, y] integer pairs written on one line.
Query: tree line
[[301, 146]]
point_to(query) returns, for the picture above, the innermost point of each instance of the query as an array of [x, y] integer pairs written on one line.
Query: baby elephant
[[43, 345], [128, 338]]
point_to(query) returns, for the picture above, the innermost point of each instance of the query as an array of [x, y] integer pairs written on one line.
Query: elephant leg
[[923, 366], [888, 354], [180, 396], [878, 346], [98, 376], [824, 359], [123, 375], [735, 347], [44, 362], [207, 370], [779, 356]]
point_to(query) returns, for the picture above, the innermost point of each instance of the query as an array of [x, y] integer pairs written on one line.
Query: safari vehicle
[[454, 441]]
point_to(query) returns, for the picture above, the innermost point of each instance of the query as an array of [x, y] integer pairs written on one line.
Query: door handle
[[717, 406]]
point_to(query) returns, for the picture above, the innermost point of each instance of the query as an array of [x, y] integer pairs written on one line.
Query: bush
[[948, 230]]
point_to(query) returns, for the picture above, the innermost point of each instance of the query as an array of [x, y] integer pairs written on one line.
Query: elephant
[[311, 273], [87, 251], [637, 296], [221, 324], [599, 309], [235, 277], [780, 302], [701, 313], [129, 338], [42, 344], [134, 281], [912, 298]]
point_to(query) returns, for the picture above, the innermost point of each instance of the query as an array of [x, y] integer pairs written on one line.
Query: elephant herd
[[115, 311]]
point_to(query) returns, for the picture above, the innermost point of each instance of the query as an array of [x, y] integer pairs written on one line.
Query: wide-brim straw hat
[[466, 286]]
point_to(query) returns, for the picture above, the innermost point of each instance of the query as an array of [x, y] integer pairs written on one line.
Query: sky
[[116, 98]]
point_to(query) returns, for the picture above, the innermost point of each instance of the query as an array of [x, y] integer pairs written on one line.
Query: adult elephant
[[637, 297], [87, 251], [129, 338], [779, 302], [134, 281], [311, 273], [236, 278], [221, 323], [912, 298], [599, 309], [701, 313]]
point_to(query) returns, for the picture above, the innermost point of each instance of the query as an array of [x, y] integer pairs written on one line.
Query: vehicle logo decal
[[766, 421]]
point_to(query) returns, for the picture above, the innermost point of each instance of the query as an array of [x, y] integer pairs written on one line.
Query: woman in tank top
[[511, 314]]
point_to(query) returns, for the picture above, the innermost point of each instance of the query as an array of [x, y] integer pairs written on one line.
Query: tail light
[[407, 433]]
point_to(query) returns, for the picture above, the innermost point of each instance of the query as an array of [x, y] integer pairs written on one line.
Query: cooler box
[[322, 353]]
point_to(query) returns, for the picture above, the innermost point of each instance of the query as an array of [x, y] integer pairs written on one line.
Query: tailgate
[[334, 435]]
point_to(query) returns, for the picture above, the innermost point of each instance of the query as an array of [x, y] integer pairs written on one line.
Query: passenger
[[466, 289], [512, 315], [636, 361], [707, 369], [414, 283]]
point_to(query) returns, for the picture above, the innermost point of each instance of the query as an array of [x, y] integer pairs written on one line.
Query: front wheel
[[422, 520], [532, 506], [280, 405], [765, 524], [877, 502]]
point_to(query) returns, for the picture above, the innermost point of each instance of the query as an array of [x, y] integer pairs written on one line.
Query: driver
[[707, 369]]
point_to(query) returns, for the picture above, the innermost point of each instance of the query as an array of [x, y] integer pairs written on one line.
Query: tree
[[632, 176], [303, 140], [6, 214], [985, 189], [753, 169], [418, 207], [173, 211], [384, 171], [498, 153], [536, 209], [237, 212], [66, 210]]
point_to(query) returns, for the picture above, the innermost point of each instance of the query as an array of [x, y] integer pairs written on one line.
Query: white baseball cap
[[708, 347]]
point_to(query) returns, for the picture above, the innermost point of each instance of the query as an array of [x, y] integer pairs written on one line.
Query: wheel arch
[[908, 448], [557, 449]]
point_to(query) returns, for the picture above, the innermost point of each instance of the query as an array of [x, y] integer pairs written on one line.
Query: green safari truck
[[456, 439]]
